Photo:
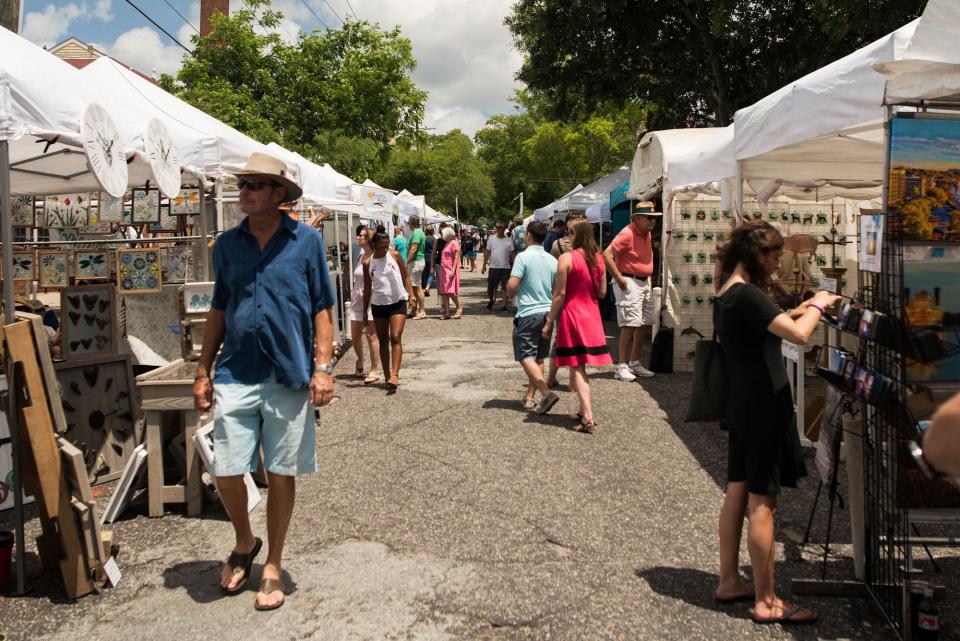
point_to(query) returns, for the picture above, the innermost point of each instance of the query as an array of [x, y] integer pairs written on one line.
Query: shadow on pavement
[[200, 580]]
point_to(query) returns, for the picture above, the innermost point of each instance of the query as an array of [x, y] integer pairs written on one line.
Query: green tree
[[692, 62], [341, 96]]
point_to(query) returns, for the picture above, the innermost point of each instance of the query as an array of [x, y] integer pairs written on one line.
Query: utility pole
[[10, 12], [521, 205], [456, 209]]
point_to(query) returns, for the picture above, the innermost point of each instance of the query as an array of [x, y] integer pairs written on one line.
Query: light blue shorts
[[279, 418]]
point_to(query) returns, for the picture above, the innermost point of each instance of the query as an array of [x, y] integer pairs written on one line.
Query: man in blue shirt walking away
[[531, 281], [272, 312]]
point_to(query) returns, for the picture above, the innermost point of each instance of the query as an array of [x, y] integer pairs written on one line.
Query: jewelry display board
[[88, 322]]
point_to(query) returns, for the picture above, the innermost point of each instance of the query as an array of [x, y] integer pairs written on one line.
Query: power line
[[154, 23], [329, 6], [315, 14], [355, 16], [182, 17], [254, 13]]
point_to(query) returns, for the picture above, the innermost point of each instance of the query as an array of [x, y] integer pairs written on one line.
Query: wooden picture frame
[[92, 265], [53, 268], [178, 263], [138, 271], [88, 324], [75, 471], [110, 209], [102, 413], [66, 210], [24, 265], [146, 206], [132, 477], [23, 211], [187, 202]]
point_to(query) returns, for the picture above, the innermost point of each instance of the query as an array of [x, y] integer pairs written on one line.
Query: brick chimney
[[207, 9]]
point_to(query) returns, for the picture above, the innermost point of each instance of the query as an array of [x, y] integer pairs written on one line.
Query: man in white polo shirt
[[629, 260], [498, 256]]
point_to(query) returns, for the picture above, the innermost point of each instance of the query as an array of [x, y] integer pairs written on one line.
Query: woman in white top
[[359, 328], [386, 290]]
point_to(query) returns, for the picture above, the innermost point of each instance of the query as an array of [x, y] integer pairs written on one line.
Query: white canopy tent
[[557, 206], [930, 67], [319, 187], [598, 191], [599, 212]]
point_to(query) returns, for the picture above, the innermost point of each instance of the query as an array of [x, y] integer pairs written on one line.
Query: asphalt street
[[445, 511]]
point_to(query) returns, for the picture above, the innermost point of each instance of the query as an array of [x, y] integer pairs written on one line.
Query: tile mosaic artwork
[[138, 271]]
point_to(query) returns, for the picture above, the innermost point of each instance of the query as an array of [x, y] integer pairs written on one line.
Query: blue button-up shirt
[[270, 299]]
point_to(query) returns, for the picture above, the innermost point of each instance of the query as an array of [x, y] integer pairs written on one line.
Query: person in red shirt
[[629, 260]]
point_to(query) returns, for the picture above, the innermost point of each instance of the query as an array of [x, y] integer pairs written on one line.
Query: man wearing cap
[[416, 261], [629, 260], [271, 312]]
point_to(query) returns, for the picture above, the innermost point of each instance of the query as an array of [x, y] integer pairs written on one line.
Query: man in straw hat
[[629, 260], [271, 311]]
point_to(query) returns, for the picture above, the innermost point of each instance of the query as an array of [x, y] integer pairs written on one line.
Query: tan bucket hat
[[273, 169], [646, 208]]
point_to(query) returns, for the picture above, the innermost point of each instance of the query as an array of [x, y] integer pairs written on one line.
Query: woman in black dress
[[764, 453]]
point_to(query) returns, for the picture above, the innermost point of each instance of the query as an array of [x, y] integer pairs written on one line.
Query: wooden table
[[164, 391]]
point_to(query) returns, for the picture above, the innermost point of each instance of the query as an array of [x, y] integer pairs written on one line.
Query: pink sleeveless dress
[[580, 336], [449, 274]]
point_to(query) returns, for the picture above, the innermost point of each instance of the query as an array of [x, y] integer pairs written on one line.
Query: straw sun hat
[[266, 167], [646, 208]]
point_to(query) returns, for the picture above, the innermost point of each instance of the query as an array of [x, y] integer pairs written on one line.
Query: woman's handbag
[[711, 384]]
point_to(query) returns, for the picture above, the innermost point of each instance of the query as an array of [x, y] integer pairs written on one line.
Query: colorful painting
[[178, 262], [91, 265], [61, 235], [168, 222], [924, 181], [146, 206], [24, 265], [195, 298], [109, 209], [66, 210], [138, 271], [87, 318], [188, 202], [22, 213], [54, 268], [932, 291]]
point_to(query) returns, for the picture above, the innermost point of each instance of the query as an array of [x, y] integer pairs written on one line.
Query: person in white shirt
[[498, 256]]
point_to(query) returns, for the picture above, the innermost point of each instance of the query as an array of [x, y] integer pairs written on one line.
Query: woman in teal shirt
[[400, 243]]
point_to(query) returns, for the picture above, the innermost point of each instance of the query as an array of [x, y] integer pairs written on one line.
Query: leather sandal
[[790, 615], [239, 561], [587, 427], [266, 587]]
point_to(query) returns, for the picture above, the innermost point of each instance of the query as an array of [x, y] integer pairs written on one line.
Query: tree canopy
[[690, 62]]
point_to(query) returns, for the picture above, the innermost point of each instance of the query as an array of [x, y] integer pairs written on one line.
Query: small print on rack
[[88, 321]]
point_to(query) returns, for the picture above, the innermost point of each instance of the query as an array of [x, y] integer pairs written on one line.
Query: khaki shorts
[[416, 272], [635, 305]]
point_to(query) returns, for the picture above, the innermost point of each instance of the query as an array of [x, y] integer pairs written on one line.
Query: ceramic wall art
[[91, 265], [168, 222], [24, 265], [22, 211], [138, 271], [100, 408], [66, 210], [178, 262], [109, 209], [88, 322], [188, 202], [195, 298], [146, 206], [54, 268]]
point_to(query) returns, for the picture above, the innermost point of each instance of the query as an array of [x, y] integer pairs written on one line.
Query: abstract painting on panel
[[22, 211], [66, 210], [188, 202], [91, 265], [87, 323], [138, 271], [146, 206], [24, 265], [196, 298], [109, 209], [54, 268], [178, 262]]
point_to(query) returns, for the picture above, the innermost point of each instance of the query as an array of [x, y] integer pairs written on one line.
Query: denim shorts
[[528, 340], [268, 414]]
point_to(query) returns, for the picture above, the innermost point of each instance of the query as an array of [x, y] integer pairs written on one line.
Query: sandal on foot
[[458, 315], [393, 383], [792, 614], [371, 379], [358, 373], [238, 561], [576, 418], [266, 587], [587, 427]]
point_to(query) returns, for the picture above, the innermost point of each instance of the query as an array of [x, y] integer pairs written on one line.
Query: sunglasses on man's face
[[254, 185]]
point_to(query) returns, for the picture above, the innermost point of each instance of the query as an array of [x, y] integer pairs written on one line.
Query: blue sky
[[465, 53], [926, 143]]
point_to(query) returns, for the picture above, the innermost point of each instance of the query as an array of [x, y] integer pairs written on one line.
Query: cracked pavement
[[446, 512]]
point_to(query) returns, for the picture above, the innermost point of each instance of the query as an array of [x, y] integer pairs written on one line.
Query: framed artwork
[[99, 403], [22, 212], [24, 265], [60, 235], [109, 209], [88, 322], [195, 298], [188, 202], [178, 262], [91, 265], [66, 210], [146, 206], [138, 271], [168, 222], [54, 268]]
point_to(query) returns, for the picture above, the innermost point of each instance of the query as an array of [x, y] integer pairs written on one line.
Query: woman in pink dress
[[581, 341], [449, 285]]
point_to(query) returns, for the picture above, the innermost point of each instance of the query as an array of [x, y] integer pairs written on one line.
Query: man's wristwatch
[[324, 369]]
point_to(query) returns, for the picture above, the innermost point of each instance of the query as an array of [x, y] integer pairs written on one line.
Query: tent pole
[[204, 242], [8, 305], [738, 200]]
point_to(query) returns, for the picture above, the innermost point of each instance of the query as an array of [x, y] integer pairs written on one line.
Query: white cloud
[[49, 26], [144, 49]]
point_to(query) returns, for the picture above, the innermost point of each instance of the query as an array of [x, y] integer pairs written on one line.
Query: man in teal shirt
[[531, 281], [415, 264]]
